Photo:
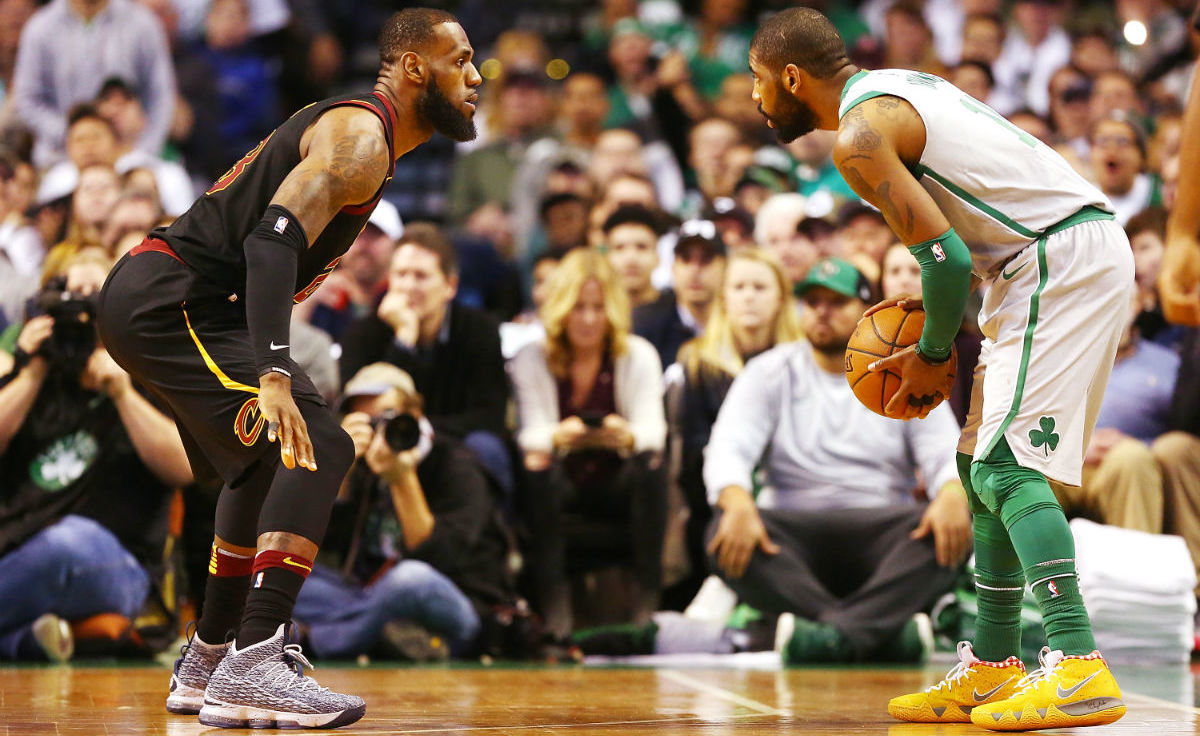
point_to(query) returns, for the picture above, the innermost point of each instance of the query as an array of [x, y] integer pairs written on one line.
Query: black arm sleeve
[[272, 256]]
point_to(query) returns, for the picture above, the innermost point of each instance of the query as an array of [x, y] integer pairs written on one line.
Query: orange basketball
[[878, 336]]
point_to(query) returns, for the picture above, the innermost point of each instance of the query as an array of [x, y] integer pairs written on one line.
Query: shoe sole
[[226, 715], [184, 700], [925, 714], [1102, 711]]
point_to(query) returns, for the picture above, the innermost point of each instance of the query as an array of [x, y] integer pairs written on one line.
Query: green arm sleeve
[[945, 283]]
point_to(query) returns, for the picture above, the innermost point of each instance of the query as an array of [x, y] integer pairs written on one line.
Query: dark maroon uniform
[[171, 312]]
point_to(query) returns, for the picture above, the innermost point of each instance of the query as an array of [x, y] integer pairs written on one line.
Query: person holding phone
[[592, 430]]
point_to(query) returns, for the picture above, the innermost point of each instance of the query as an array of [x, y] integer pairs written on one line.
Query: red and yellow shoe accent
[[970, 684], [1065, 692]]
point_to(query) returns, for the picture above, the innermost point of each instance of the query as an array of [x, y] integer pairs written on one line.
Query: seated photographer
[[87, 465], [592, 429], [415, 537]]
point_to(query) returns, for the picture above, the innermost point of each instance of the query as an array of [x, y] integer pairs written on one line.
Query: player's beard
[[443, 115], [792, 117]]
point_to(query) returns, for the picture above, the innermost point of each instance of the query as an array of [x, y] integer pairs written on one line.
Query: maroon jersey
[[209, 236]]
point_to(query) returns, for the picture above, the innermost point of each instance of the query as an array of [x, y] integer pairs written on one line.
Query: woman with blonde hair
[[754, 311], [592, 430]]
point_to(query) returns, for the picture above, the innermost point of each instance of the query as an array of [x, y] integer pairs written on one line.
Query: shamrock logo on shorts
[[1045, 436]]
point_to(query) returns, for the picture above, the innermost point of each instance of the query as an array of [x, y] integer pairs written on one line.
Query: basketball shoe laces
[[1049, 660], [287, 672], [964, 667]]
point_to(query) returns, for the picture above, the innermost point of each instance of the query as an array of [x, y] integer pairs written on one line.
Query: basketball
[[877, 336]]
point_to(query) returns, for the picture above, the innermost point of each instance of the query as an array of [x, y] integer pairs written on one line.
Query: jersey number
[[307, 291], [987, 112], [236, 170]]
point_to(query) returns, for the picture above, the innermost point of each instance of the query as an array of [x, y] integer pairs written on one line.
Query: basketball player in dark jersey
[[199, 314]]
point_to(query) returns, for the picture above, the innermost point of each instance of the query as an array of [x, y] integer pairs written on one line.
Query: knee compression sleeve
[[299, 500], [1041, 538]]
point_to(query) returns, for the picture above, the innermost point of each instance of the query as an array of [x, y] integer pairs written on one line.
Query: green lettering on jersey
[[988, 112], [923, 79]]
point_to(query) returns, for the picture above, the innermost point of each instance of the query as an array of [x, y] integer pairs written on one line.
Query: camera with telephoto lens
[[73, 337], [401, 431]]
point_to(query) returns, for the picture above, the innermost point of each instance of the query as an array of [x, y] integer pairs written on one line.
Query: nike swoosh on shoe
[[980, 698]]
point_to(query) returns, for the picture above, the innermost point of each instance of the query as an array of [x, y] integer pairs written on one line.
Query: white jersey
[[999, 186]]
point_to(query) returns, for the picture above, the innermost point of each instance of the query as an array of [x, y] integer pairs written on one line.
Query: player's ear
[[413, 67], [791, 78]]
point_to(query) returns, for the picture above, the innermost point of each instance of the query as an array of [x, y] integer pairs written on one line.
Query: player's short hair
[[800, 36], [88, 111], [635, 214], [410, 30], [430, 237]]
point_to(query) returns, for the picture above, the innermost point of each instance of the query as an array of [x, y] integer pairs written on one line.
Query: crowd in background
[[562, 304]]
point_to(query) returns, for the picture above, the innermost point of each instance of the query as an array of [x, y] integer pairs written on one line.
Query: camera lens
[[401, 432]]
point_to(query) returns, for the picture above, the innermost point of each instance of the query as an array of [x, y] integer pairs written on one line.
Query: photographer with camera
[[415, 537], [87, 465]]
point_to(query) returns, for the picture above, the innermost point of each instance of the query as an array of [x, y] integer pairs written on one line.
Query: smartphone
[[593, 419]]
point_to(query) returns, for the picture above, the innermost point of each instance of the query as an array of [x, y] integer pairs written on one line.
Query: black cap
[[700, 232]]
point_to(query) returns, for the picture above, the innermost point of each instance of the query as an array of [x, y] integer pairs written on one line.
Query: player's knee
[[333, 447]]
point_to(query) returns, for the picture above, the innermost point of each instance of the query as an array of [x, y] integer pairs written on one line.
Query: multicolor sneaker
[[195, 665], [53, 635], [969, 685], [1066, 691], [263, 686]]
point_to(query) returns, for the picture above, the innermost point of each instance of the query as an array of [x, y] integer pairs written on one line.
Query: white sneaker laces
[[967, 660], [1049, 660], [288, 672]]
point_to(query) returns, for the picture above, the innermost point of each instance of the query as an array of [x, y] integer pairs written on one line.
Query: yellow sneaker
[[971, 683], [1066, 691]]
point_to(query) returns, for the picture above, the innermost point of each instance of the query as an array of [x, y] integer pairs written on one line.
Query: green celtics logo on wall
[[64, 462]]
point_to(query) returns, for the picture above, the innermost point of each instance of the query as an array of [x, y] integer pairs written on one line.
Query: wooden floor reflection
[[537, 701]]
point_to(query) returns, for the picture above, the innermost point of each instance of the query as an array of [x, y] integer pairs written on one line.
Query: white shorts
[[1051, 331]]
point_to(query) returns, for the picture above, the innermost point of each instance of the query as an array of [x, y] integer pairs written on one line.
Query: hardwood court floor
[[534, 701]]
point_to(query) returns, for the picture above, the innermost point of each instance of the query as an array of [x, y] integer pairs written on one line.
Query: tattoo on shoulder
[[865, 137], [349, 160]]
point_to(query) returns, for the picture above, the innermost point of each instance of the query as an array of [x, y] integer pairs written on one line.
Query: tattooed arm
[[877, 141], [345, 160]]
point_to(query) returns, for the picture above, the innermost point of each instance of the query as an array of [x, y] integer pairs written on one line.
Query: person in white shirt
[[836, 537]]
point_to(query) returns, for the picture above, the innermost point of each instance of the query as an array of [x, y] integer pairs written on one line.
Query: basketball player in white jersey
[[976, 198]]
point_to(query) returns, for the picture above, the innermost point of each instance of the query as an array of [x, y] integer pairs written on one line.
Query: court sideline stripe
[[543, 726], [1161, 702], [720, 692]]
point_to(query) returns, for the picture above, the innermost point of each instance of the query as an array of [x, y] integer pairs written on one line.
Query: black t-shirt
[[73, 456], [209, 236]]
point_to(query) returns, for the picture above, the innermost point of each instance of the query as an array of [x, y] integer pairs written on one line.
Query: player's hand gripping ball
[[877, 336]]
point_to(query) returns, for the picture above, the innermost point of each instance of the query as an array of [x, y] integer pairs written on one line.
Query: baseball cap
[[376, 379], [700, 232], [838, 276], [386, 217], [727, 208]]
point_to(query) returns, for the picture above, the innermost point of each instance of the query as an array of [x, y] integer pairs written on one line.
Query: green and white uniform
[[1062, 270]]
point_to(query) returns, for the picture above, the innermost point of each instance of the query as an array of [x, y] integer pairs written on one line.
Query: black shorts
[[188, 344]]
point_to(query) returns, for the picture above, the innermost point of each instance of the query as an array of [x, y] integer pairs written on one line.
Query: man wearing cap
[[836, 538], [414, 536], [681, 313]]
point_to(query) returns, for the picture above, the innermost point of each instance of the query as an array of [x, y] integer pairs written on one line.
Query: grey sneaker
[[195, 665], [263, 686]]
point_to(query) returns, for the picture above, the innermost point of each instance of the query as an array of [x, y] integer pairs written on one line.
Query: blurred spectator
[[634, 83], [865, 237], [1119, 162], [974, 78], [486, 174], [236, 74], [620, 151], [622, 189], [527, 327], [21, 245], [709, 142], [134, 212], [67, 50], [1093, 51], [1165, 143], [1122, 481], [982, 39], [91, 205], [518, 52], [354, 287], [1033, 124], [589, 401], [1034, 48], [1147, 231], [735, 105], [681, 313], [1070, 111], [1166, 30], [839, 487], [414, 538], [816, 176], [735, 224], [451, 351], [631, 236], [1114, 91], [13, 16], [564, 218], [753, 313], [715, 42], [909, 40], [86, 465], [120, 105], [581, 113], [777, 229]]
